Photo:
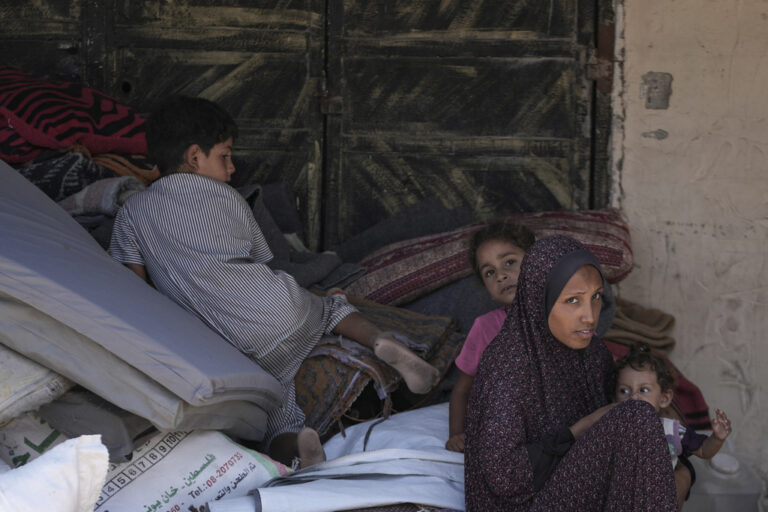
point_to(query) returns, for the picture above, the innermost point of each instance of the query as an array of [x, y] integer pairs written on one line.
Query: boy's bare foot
[[311, 450], [419, 375]]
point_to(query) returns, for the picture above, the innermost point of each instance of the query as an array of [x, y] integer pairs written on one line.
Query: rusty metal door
[[483, 103]]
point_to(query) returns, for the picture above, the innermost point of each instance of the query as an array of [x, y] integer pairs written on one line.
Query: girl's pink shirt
[[483, 330]]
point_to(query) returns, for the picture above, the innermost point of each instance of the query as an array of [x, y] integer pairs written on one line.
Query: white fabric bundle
[[66, 479]]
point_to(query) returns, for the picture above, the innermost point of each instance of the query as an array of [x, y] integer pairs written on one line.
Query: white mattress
[[108, 330]]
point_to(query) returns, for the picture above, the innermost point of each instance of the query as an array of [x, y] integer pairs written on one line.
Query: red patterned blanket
[[37, 114]]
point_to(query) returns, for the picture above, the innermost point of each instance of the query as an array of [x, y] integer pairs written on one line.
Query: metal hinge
[[598, 69]]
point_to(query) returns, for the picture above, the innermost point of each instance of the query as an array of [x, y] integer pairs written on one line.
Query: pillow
[[402, 271], [38, 114]]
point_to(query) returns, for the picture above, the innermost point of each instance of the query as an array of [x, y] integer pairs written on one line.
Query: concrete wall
[[697, 200]]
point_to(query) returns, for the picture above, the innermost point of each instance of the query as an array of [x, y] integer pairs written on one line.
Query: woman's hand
[[581, 426], [456, 443]]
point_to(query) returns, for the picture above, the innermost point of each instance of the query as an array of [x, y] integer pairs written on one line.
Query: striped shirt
[[201, 246]]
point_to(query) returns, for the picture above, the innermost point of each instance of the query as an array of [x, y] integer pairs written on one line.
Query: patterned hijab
[[566, 383]]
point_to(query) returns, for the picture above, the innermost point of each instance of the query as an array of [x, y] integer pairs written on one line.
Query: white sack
[[181, 471], [66, 479]]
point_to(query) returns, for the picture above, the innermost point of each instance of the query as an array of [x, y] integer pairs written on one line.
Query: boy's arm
[[457, 411], [139, 270]]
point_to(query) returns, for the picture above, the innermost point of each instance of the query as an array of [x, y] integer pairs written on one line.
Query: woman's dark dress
[[529, 389]]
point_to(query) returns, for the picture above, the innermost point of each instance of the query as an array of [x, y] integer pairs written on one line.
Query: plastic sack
[[182, 471], [65, 479]]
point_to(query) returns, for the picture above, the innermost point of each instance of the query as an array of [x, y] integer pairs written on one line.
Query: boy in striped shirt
[[195, 239]]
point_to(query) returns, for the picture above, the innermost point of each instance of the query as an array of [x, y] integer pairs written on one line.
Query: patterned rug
[[337, 371]]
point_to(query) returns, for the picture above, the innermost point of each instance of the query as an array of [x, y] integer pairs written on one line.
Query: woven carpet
[[335, 375]]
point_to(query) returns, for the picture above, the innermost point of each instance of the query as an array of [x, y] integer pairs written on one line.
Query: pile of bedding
[[66, 305]]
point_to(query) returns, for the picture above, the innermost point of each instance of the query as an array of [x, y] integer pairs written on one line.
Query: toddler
[[495, 253], [195, 239], [644, 375]]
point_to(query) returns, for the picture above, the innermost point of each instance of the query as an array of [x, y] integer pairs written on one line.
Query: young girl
[[195, 238], [644, 375], [495, 254]]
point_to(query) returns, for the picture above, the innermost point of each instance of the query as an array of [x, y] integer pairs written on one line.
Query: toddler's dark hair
[[503, 230], [640, 357], [181, 121]]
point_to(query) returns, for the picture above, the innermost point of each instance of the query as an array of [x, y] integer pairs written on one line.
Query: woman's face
[[575, 313]]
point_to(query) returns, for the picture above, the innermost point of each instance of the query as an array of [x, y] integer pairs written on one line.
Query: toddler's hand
[[721, 425], [456, 443]]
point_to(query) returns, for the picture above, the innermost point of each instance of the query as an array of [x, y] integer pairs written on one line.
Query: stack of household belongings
[[132, 352]]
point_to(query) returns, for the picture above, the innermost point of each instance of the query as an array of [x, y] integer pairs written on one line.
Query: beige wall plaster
[[697, 200]]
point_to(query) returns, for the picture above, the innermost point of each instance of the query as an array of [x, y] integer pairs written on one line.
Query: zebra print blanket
[[37, 114]]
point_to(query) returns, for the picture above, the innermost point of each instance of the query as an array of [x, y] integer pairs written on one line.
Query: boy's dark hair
[[504, 230], [180, 122], [640, 357]]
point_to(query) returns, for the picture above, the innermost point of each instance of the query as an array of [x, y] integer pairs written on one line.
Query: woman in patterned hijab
[[541, 434]]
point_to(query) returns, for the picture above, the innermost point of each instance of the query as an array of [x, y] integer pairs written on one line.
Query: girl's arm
[[721, 429], [139, 270], [457, 412]]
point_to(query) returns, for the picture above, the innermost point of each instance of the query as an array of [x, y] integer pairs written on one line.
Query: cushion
[[464, 299], [402, 271], [38, 114], [426, 217], [40, 337]]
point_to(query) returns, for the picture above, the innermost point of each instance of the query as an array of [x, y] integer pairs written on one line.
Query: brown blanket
[[634, 323]]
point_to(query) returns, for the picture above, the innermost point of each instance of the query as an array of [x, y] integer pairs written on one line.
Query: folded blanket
[[633, 323], [61, 176], [38, 114], [102, 197]]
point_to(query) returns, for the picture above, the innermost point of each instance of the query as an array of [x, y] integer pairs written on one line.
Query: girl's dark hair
[[640, 357], [504, 230], [180, 122]]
